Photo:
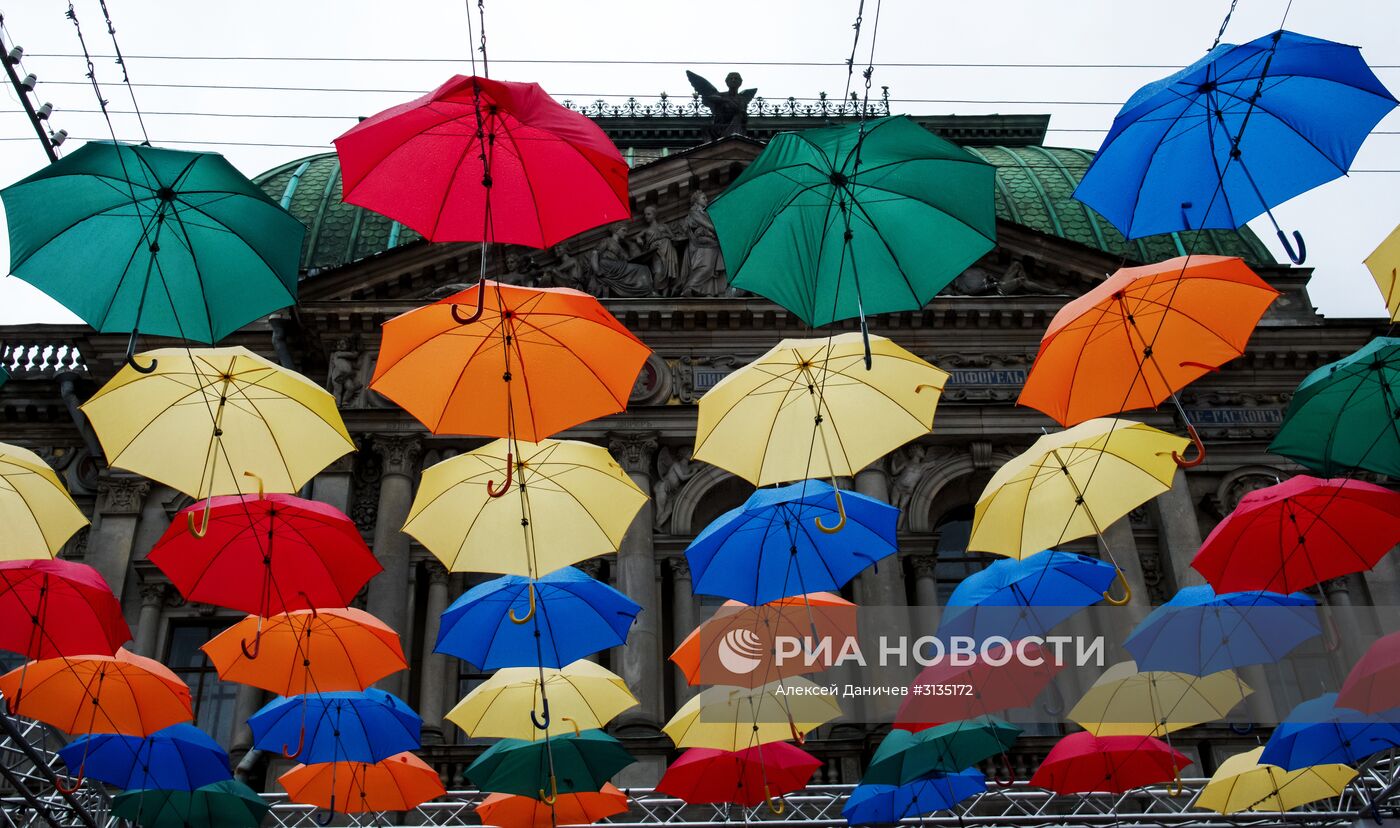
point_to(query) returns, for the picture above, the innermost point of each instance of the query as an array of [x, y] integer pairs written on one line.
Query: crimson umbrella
[[745, 777], [1373, 685], [1084, 763], [999, 678], [52, 608]]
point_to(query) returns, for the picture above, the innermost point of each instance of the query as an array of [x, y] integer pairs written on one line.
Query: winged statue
[[730, 108]]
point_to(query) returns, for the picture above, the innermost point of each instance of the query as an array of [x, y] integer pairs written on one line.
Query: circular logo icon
[[741, 651]]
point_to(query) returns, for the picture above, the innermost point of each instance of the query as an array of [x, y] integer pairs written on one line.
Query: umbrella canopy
[[832, 616], [58, 608], [570, 763], [1001, 677], [780, 543], [1318, 732], [1027, 597], [1085, 763], [485, 160], [1200, 632], [582, 808], [400, 782], [1300, 532], [1244, 783], [1373, 684], [733, 718], [158, 240], [583, 694], [1384, 264], [857, 219], [746, 777], [205, 416], [1342, 416], [905, 757], [871, 804], [577, 499], [806, 409], [123, 693], [1126, 702], [535, 362], [308, 651], [37, 515], [227, 804], [265, 554], [363, 726], [1143, 334], [180, 757], [575, 616]]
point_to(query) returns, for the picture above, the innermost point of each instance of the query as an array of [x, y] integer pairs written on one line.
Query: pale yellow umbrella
[[509, 705], [1125, 702], [1384, 262], [576, 501], [736, 718], [37, 515], [1241, 783]]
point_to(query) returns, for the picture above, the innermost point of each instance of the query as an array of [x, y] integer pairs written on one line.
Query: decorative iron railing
[[666, 106]]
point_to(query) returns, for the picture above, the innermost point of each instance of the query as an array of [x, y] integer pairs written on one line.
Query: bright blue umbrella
[[1240, 130], [363, 726], [771, 547], [575, 617], [1200, 632], [874, 804], [1025, 597], [1318, 732], [180, 757]]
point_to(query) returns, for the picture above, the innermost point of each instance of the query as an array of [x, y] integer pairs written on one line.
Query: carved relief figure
[[704, 268], [344, 377], [617, 275], [730, 108], [658, 241], [676, 467], [907, 468], [568, 271], [1014, 281], [519, 270]]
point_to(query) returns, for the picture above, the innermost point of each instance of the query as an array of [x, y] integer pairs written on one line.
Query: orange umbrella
[[308, 651], [1142, 335], [513, 811], [400, 783], [738, 645], [508, 361], [123, 693]]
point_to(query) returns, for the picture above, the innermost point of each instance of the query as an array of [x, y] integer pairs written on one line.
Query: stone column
[[148, 626], [245, 704], [388, 591], [593, 568], [683, 619], [153, 521], [925, 614], [434, 686], [119, 499], [333, 484], [1179, 531], [881, 584]]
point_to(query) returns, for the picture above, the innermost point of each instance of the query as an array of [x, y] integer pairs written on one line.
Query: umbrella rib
[[524, 174]]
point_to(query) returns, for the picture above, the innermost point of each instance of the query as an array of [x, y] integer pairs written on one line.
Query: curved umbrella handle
[[330, 813], [840, 510], [491, 490], [572, 721], [1299, 255], [1200, 450], [1174, 789], [252, 654], [131, 357], [480, 305], [1127, 591], [531, 614], [1010, 773], [1332, 642], [553, 796], [261, 493], [777, 809], [301, 744], [202, 528], [77, 782], [797, 735], [537, 721]]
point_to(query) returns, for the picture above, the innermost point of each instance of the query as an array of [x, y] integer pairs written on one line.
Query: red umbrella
[[1299, 533], [52, 608], [1373, 685], [745, 777], [476, 147], [1085, 763], [1003, 677]]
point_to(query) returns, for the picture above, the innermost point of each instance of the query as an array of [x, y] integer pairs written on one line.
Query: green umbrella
[[227, 804], [947, 748], [134, 238], [832, 226], [581, 762], [1346, 415]]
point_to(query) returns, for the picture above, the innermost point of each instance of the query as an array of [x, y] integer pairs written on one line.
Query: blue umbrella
[[1240, 130], [771, 547], [1200, 632], [576, 616], [872, 804], [1019, 598], [180, 757], [1318, 732], [363, 726]]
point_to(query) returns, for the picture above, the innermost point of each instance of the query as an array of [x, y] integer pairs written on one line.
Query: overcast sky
[[1342, 221]]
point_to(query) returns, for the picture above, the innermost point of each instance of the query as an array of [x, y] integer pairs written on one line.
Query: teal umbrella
[[138, 239], [226, 804], [1346, 415], [947, 748], [572, 763]]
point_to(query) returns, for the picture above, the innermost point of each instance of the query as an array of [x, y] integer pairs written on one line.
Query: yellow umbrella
[[37, 515], [809, 408], [1384, 262], [1242, 784], [577, 500], [1125, 702], [581, 695], [216, 421], [736, 718], [1072, 484]]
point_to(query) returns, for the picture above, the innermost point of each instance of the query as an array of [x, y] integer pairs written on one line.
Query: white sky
[[1342, 221]]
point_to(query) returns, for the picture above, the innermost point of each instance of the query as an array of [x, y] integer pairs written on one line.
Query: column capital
[[924, 566], [398, 452], [680, 568], [121, 494], [635, 450], [154, 594], [592, 567], [437, 573]]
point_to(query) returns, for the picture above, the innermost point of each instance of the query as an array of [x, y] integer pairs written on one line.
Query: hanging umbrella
[[833, 617], [308, 651], [871, 804], [485, 160], [158, 241], [37, 515], [1342, 416], [58, 608], [577, 499], [227, 804], [1047, 494], [1318, 732], [734, 718], [1177, 156], [1126, 702], [582, 808], [583, 694], [534, 362], [1085, 763], [571, 763], [905, 757], [1384, 264], [207, 416], [123, 693], [363, 726], [1200, 632], [1027, 597], [575, 616], [746, 777], [1300, 532], [180, 757], [999, 677], [804, 410], [1373, 684], [1244, 783], [785, 541], [400, 782]]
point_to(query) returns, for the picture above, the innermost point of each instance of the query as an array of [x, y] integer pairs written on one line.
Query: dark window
[[955, 563], [213, 699]]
